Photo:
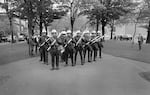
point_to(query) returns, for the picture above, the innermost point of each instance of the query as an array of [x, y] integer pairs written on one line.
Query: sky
[[1, 10], [1, 0]]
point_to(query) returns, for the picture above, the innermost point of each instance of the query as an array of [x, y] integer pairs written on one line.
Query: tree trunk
[[30, 34], [103, 30], [46, 29], [112, 30], [30, 22], [40, 25], [11, 29], [134, 33], [97, 26], [72, 24], [33, 30], [148, 37], [148, 34]]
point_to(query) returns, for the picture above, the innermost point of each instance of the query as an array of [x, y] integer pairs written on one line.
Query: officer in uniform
[[43, 48], [54, 50], [94, 45], [100, 45], [69, 48], [63, 39], [79, 47], [87, 46]]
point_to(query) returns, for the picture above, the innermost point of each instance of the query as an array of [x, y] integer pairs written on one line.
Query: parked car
[[3, 39], [9, 38], [21, 38], [127, 37]]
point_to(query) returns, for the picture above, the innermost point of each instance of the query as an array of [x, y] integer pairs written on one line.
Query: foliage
[[106, 11], [74, 8]]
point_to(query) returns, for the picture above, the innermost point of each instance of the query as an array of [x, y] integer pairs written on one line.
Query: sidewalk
[[107, 76], [9, 43]]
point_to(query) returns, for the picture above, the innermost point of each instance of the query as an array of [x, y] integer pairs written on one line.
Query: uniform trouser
[[80, 50], [140, 45], [99, 48], [43, 54], [100, 51], [55, 58], [67, 54], [95, 54], [63, 56], [95, 49], [89, 49], [36, 48], [32, 47]]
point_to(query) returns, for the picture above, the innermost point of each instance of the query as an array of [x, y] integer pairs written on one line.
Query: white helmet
[[93, 32], [98, 31], [54, 31], [87, 31], [68, 31], [78, 31], [64, 32]]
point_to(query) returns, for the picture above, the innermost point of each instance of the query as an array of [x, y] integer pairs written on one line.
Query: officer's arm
[[40, 40], [59, 42], [73, 40]]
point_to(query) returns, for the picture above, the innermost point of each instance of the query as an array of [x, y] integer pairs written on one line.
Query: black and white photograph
[[74, 47]]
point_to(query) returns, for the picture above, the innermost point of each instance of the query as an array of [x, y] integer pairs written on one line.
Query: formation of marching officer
[[64, 45]]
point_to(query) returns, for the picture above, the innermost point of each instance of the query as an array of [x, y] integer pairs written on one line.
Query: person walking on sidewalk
[[140, 41]]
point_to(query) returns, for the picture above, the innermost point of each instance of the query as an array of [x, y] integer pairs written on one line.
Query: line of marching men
[[64, 45]]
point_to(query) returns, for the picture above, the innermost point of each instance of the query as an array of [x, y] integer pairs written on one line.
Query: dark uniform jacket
[[42, 39], [87, 43], [70, 46], [81, 43], [55, 46], [94, 45]]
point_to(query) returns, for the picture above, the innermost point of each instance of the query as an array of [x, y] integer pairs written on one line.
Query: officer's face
[[63, 35], [93, 34], [54, 34], [87, 34], [78, 34], [44, 34], [69, 34], [99, 34]]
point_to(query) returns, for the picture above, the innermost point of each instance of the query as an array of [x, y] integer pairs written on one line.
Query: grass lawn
[[125, 49]]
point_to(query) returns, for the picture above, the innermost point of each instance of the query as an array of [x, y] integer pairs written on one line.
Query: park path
[[107, 76]]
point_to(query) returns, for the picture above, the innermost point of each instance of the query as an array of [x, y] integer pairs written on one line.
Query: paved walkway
[[9, 43], [108, 76]]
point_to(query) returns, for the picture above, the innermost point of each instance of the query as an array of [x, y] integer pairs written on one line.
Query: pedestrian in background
[[140, 41]]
